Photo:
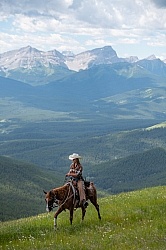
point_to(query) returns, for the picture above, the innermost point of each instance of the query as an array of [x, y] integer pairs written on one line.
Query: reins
[[68, 197]]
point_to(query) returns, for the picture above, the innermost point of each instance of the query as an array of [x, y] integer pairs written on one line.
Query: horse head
[[51, 200]]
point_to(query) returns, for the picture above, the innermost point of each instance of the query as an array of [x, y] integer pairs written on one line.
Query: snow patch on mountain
[[132, 59], [84, 60], [80, 61]]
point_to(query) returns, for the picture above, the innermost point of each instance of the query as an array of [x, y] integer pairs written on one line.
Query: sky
[[131, 27]]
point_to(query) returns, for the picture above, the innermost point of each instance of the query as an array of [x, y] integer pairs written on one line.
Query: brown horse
[[65, 197]]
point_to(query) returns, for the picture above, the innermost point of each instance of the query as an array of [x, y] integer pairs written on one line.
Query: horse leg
[[71, 215], [56, 215], [55, 222], [96, 205], [83, 212]]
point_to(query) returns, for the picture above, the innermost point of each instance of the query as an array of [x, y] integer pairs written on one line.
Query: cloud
[[37, 7], [160, 3], [80, 24], [102, 14]]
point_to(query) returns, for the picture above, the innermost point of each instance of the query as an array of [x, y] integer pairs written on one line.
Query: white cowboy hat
[[74, 156]]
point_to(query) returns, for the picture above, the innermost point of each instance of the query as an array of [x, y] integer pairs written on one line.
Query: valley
[[112, 112]]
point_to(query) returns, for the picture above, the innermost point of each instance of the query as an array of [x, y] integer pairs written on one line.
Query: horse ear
[[50, 192], [45, 192]]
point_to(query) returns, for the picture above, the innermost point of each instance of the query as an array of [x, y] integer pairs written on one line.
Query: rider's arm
[[74, 173]]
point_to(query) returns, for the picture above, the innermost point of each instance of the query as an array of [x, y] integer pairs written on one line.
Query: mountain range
[[94, 85], [37, 67]]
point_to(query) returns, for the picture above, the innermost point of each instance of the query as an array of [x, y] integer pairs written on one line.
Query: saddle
[[73, 181]]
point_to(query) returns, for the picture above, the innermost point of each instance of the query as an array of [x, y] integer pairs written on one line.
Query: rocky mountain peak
[[27, 60], [87, 59], [151, 57]]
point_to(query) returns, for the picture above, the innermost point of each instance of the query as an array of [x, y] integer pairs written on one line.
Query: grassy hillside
[[135, 220], [137, 171], [21, 188], [160, 125]]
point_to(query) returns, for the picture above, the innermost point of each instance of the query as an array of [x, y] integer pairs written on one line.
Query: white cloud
[[81, 24], [98, 13]]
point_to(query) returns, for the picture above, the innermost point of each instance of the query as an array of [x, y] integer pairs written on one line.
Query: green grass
[[160, 125], [135, 220]]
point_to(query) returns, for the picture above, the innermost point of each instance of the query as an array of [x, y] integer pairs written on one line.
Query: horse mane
[[60, 191], [59, 188]]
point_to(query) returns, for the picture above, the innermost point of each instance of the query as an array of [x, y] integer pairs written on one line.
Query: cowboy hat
[[74, 156]]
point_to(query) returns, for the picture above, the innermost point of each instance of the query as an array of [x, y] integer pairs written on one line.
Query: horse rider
[[76, 172]]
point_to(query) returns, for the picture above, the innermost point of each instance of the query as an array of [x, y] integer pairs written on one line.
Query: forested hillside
[[147, 169], [21, 188], [95, 144]]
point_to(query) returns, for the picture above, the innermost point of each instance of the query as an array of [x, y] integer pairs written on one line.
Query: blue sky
[[131, 27]]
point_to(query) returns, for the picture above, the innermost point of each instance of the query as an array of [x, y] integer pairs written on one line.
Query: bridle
[[54, 204]]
